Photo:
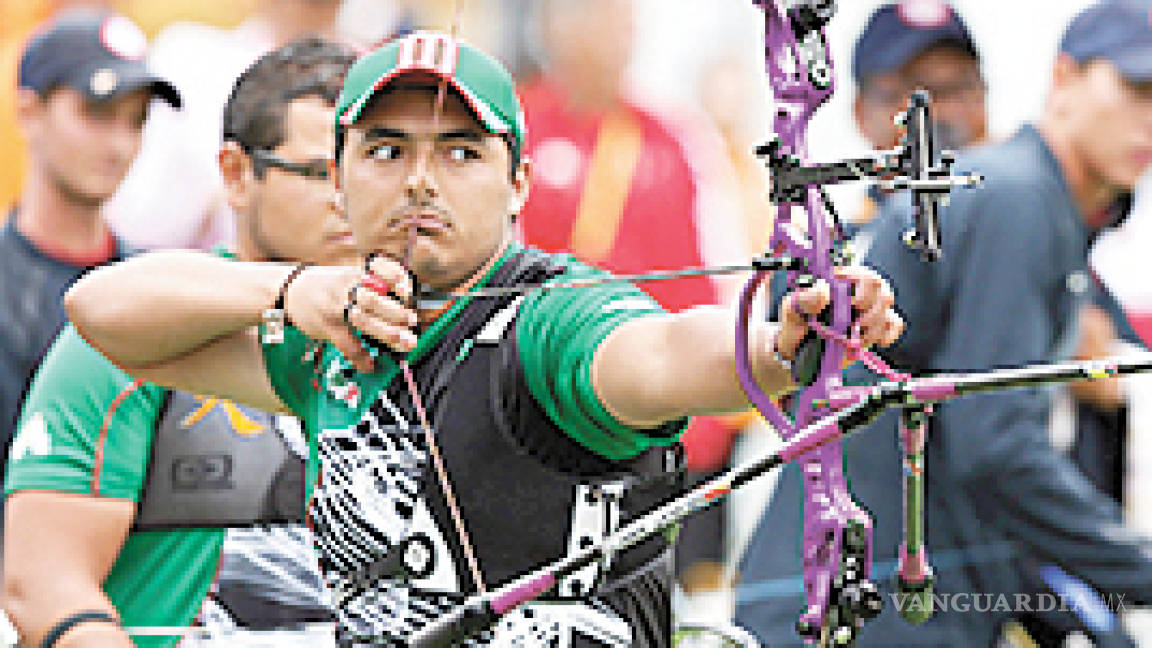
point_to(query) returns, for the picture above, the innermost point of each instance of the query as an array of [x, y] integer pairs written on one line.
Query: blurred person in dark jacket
[[925, 44]]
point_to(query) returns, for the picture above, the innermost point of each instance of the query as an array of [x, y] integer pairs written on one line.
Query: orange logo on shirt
[[239, 421]]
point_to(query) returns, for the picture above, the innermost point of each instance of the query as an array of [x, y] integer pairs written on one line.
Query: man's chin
[[343, 260], [91, 197]]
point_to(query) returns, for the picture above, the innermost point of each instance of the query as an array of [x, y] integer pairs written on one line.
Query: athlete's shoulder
[[74, 376], [71, 355]]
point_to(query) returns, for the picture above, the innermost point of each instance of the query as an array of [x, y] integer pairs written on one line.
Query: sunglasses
[[315, 168]]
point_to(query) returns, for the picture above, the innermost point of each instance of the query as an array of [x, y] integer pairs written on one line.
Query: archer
[[544, 407]]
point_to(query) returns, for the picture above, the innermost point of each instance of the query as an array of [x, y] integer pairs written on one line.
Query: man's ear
[[29, 106], [238, 174], [1066, 73], [860, 114], [521, 183], [1066, 70], [874, 125]]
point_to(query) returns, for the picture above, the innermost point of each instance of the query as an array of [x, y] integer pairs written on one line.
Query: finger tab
[[376, 284]]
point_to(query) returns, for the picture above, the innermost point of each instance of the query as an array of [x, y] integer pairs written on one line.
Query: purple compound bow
[[837, 543]]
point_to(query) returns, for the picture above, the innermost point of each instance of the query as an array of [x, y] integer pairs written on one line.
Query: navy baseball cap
[[99, 53], [898, 33], [1119, 31]]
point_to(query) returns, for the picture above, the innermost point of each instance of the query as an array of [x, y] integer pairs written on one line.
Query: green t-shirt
[[86, 427], [557, 332]]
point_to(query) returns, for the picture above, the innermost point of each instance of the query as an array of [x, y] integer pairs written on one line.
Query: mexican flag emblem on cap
[[481, 80]]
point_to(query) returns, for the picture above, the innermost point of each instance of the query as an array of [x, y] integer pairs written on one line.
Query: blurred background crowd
[[642, 117]]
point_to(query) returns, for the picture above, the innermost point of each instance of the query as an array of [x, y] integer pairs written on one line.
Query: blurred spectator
[[173, 195], [617, 185], [910, 45], [1013, 288], [82, 99], [924, 44], [17, 20]]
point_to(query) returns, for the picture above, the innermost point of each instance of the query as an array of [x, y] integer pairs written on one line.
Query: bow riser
[[837, 531]]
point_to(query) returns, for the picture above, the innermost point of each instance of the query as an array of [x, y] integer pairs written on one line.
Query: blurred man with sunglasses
[[130, 487]]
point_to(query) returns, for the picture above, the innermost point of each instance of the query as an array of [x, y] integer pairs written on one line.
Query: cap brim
[[130, 76], [1135, 63]]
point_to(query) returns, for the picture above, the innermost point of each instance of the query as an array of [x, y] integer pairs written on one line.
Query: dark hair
[[254, 114]]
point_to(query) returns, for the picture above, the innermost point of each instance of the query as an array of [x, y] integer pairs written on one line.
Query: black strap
[[73, 620], [283, 292]]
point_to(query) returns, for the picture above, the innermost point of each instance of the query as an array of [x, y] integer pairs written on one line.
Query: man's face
[[294, 212], [951, 75], [443, 176], [83, 147], [1110, 122]]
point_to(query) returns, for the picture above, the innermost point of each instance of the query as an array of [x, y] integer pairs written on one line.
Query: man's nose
[[336, 201], [421, 184]]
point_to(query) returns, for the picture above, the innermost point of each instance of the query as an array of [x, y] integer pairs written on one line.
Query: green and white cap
[[481, 80]]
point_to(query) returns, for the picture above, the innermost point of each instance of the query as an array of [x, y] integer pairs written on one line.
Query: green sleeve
[[86, 426], [557, 333], [292, 368]]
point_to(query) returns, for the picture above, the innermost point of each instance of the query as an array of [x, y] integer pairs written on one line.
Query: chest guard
[[217, 464], [527, 491]]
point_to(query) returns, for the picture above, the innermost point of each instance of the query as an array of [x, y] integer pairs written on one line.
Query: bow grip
[[806, 364], [807, 359]]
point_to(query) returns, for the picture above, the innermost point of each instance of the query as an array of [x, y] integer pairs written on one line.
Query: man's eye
[[384, 152], [463, 154]]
